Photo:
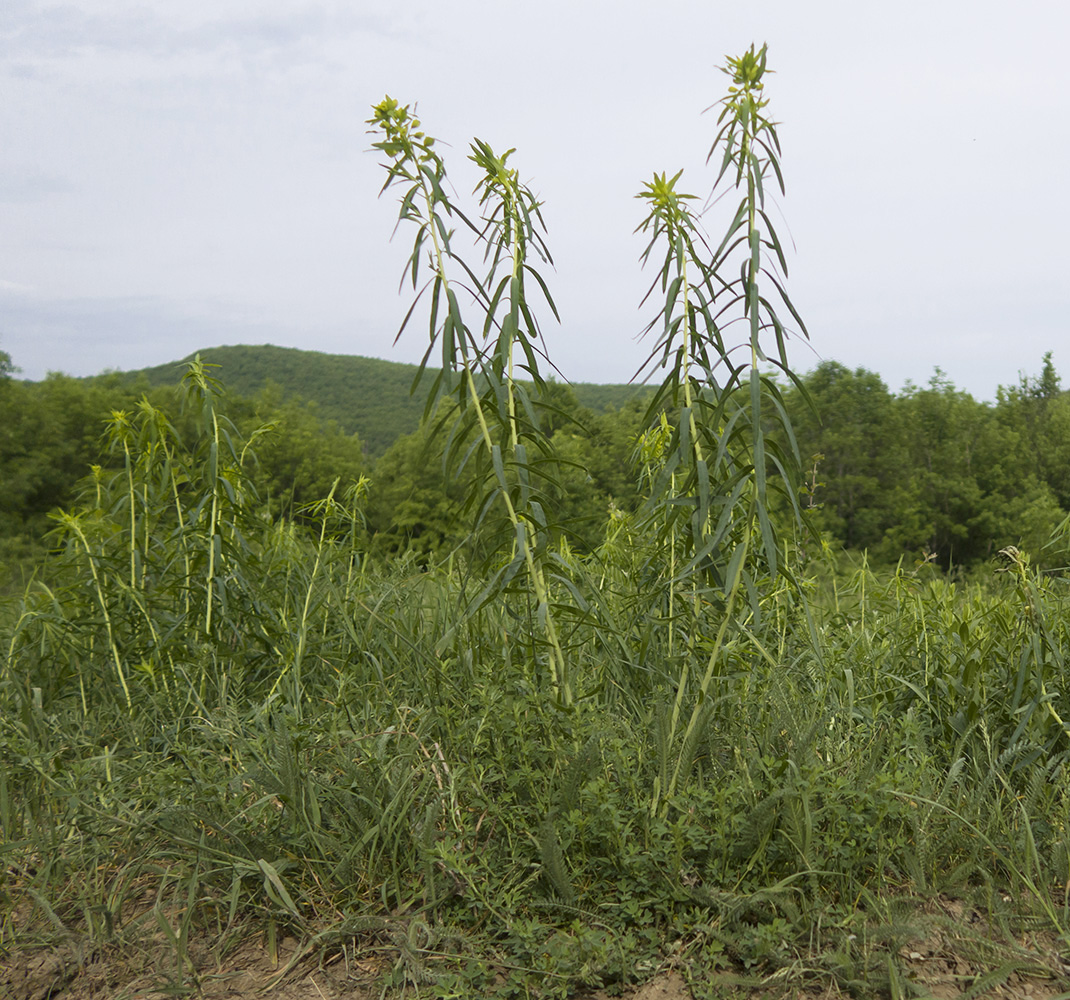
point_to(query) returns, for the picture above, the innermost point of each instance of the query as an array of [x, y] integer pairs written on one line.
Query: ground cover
[[346, 762]]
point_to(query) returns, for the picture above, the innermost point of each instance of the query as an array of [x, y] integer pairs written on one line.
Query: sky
[[175, 176]]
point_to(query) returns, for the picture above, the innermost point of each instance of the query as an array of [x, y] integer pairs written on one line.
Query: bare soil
[[952, 961], [51, 975]]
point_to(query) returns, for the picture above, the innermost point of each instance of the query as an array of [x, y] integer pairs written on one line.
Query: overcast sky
[[176, 176]]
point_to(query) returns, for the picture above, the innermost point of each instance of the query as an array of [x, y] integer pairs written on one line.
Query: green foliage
[[716, 463], [497, 425], [414, 505], [711, 495], [931, 473], [1038, 410], [364, 396], [49, 435], [873, 485], [595, 452], [301, 454], [227, 699], [851, 437], [437, 802]]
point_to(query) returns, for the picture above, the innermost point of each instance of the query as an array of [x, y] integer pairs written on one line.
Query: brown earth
[[250, 974], [956, 959], [50, 976]]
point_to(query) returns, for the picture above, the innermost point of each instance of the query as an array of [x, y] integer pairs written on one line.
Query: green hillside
[[366, 396]]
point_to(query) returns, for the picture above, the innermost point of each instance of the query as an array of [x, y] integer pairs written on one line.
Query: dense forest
[[927, 473], [753, 677], [374, 399]]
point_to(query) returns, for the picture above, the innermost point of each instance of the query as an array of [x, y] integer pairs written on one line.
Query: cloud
[[21, 185], [88, 335], [216, 150], [84, 336], [66, 32]]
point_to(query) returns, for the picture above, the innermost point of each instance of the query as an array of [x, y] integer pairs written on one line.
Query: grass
[[346, 752]]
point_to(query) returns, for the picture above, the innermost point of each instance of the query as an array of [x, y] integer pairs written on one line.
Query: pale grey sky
[[182, 175]]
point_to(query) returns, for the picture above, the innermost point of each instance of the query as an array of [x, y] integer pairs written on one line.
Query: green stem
[[213, 474], [711, 664], [74, 526], [561, 685]]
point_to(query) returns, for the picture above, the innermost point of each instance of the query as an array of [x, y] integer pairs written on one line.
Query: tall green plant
[[722, 463], [723, 460], [479, 365]]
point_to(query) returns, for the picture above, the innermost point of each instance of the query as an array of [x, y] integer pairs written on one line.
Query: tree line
[[928, 473], [924, 473]]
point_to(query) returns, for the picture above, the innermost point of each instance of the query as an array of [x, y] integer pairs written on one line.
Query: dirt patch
[[668, 986], [251, 974], [248, 972], [959, 955]]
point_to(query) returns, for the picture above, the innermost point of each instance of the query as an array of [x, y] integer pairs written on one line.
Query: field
[[271, 740], [709, 757]]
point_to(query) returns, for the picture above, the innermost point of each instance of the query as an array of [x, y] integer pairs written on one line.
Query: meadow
[[514, 768]]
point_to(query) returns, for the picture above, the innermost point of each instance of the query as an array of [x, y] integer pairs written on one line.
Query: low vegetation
[[548, 752]]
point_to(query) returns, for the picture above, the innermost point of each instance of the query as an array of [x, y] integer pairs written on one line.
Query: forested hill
[[365, 396], [928, 472]]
